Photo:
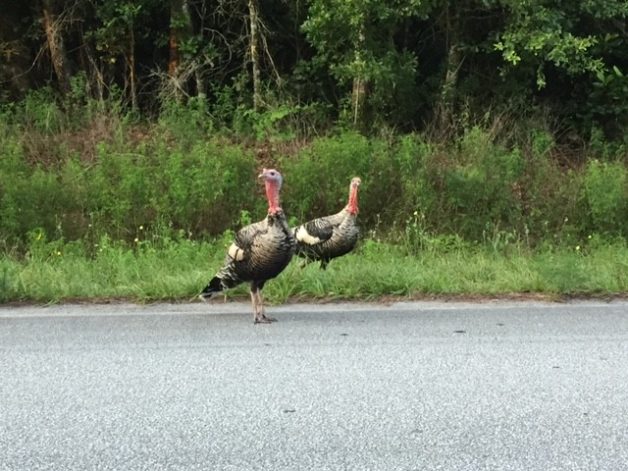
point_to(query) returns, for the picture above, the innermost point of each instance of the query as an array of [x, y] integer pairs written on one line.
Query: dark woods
[[407, 64]]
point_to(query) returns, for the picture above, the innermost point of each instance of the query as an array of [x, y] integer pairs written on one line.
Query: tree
[[356, 40], [399, 63], [537, 34], [116, 37], [582, 44], [52, 24], [254, 51]]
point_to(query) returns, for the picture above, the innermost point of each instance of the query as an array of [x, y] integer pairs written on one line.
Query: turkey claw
[[264, 320]]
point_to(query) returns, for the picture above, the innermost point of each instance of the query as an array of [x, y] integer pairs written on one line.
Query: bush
[[200, 190], [549, 193], [317, 177], [606, 193], [466, 188], [413, 153], [130, 180]]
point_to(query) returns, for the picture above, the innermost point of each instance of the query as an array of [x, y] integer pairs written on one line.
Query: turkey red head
[[352, 205], [272, 182]]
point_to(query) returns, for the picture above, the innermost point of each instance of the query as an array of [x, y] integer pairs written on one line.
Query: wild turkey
[[332, 236], [260, 251]]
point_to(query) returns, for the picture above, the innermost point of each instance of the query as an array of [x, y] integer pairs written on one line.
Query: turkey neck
[[272, 194], [352, 205]]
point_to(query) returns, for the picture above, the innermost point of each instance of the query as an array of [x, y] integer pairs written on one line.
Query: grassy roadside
[[177, 270]]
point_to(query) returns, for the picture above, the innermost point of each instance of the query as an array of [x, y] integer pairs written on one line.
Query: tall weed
[[606, 193], [98, 173], [317, 177]]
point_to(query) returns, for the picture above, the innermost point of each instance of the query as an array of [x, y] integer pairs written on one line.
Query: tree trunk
[[254, 50], [453, 61], [56, 47], [174, 42], [179, 68], [131, 68], [198, 76], [200, 83], [89, 65], [358, 96], [176, 7], [448, 89], [359, 88], [96, 78]]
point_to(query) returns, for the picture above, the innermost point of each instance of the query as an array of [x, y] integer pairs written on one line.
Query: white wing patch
[[236, 252], [305, 237]]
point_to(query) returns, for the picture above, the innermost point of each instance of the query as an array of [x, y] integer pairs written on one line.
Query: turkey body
[[259, 252], [326, 238], [329, 237]]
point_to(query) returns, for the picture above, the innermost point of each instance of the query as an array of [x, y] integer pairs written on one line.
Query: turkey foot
[[259, 316]]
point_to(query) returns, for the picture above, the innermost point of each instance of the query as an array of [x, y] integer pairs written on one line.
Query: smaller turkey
[[332, 236], [260, 251]]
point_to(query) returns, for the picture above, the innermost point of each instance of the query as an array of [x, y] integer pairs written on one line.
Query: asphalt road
[[422, 386]]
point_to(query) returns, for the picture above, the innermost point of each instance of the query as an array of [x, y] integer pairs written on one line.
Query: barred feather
[[259, 253], [332, 236], [328, 237]]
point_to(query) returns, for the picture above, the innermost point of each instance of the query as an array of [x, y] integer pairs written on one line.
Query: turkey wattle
[[259, 252], [329, 237]]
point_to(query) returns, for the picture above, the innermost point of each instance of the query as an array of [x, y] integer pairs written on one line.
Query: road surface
[[408, 386]]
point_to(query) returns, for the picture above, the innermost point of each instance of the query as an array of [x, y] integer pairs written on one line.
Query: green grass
[[177, 270]]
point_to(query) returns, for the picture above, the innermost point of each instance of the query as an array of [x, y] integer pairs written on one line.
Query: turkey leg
[[258, 308]]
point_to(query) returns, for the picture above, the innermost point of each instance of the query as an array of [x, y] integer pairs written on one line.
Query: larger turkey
[[259, 252], [329, 237]]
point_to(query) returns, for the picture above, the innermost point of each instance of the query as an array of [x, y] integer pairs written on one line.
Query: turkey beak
[[263, 174]]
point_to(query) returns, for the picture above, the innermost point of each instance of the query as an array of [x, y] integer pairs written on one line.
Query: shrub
[[172, 179], [199, 190], [40, 111], [318, 176], [412, 155], [549, 193], [606, 193], [470, 188]]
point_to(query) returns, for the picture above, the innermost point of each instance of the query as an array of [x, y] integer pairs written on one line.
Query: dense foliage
[[402, 63], [98, 172], [493, 120]]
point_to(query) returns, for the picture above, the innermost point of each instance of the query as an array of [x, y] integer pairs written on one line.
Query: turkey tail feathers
[[213, 287]]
